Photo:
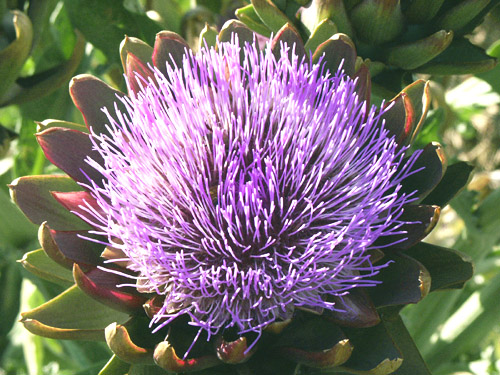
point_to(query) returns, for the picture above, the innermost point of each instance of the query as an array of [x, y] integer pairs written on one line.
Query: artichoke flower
[[240, 211], [398, 37]]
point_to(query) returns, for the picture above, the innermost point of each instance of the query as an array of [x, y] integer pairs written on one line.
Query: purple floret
[[241, 190]]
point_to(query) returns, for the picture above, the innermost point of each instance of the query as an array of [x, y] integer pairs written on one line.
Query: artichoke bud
[[418, 36], [319, 10], [378, 21]]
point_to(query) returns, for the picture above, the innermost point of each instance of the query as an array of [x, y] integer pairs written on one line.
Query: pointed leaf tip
[[103, 286], [245, 35], [288, 35], [169, 48], [121, 344], [139, 75], [69, 149], [38, 263], [40, 329], [73, 310], [233, 352], [270, 14], [166, 357], [32, 194], [90, 96], [337, 50], [137, 47]]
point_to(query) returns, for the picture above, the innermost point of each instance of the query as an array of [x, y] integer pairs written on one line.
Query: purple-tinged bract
[[243, 185]]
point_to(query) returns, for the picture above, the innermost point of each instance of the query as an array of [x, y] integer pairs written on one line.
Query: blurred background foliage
[[43, 43]]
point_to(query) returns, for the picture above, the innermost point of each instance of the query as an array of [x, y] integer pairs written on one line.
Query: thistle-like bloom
[[241, 190], [237, 193]]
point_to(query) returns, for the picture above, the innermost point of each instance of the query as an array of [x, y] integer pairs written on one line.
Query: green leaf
[[431, 129], [6, 136], [32, 345], [315, 342], [494, 49], [433, 163], [480, 236], [403, 281], [170, 13], [492, 76], [44, 83], [38, 263], [487, 212], [378, 22], [12, 57], [318, 11], [422, 11], [461, 14], [104, 23], [39, 13]]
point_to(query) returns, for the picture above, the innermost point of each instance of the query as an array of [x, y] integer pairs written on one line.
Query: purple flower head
[[243, 185]]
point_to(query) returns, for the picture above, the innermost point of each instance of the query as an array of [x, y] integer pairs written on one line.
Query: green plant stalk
[[10, 280], [468, 325], [38, 163], [425, 318], [435, 312]]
